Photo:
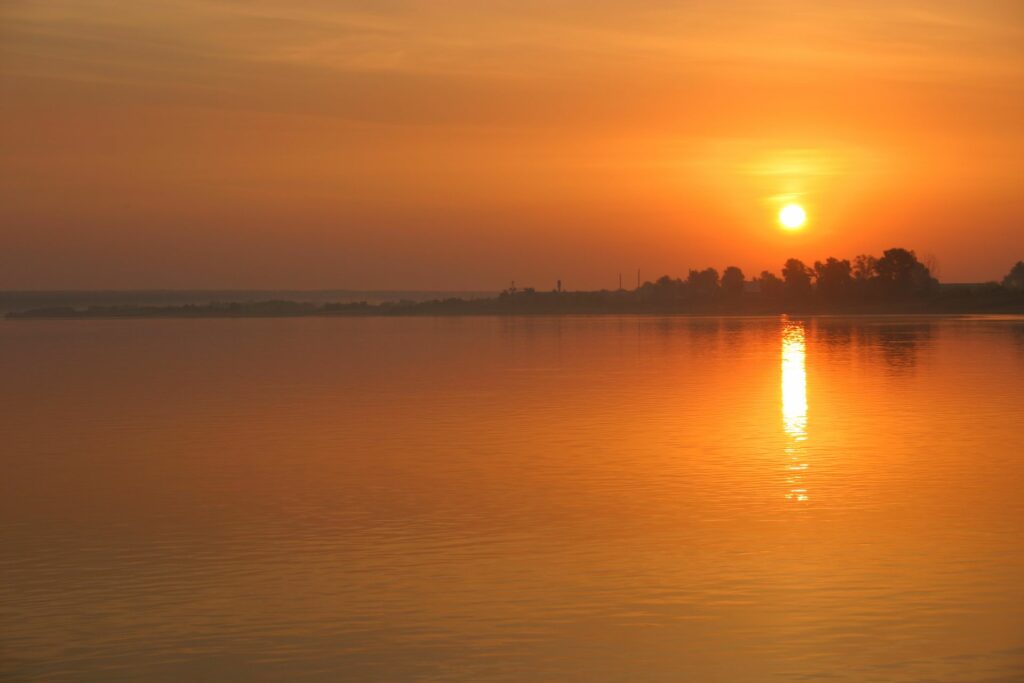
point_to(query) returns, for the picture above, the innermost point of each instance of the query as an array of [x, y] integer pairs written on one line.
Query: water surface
[[514, 499]]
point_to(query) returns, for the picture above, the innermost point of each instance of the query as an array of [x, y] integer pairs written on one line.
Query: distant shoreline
[[895, 283], [564, 303], [23, 300]]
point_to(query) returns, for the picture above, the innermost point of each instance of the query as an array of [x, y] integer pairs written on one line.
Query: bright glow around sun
[[792, 216]]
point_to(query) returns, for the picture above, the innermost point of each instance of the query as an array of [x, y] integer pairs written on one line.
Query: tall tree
[[864, 267], [732, 282], [770, 285], [833, 279], [1014, 280], [797, 277], [702, 284], [901, 274]]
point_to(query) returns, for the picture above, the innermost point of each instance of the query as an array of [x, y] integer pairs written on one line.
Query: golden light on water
[[794, 404], [794, 380]]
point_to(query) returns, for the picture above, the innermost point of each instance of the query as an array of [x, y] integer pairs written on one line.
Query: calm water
[[538, 499]]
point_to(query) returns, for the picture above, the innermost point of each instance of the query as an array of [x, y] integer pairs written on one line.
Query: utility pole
[[620, 280], [638, 278]]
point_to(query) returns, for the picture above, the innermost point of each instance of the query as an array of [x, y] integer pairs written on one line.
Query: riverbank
[[564, 303]]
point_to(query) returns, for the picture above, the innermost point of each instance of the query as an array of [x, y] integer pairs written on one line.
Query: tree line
[[895, 282], [896, 275]]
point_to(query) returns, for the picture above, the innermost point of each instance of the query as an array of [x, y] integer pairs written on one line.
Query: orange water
[[516, 499]]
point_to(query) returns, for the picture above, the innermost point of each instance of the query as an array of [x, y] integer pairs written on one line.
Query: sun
[[792, 216]]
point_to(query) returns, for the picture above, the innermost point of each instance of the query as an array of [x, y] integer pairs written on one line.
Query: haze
[[448, 145]]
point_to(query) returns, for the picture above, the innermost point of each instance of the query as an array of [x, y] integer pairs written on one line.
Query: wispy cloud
[[903, 40]]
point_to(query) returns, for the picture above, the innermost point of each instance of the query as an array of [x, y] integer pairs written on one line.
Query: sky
[[459, 144]]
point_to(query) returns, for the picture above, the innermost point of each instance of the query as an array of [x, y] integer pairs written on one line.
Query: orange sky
[[462, 144]]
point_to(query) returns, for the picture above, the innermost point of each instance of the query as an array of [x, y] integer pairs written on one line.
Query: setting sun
[[792, 217]]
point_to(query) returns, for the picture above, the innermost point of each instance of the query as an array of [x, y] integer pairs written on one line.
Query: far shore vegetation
[[895, 282]]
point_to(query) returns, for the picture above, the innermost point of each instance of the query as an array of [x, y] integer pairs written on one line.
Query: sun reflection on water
[[794, 404]]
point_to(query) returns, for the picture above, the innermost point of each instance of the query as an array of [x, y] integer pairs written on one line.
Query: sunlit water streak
[[550, 499], [794, 405]]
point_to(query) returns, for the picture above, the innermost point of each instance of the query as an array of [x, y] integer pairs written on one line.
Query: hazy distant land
[[895, 282], [25, 300]]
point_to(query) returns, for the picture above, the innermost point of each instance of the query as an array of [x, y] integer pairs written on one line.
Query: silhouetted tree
[[732, 282], [797, 277], [864, 267], [865, 276], [1014, 280], [662, 290], [702, 283], [901, 274], [770, 286], [833, 279]]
